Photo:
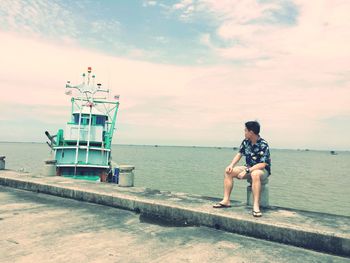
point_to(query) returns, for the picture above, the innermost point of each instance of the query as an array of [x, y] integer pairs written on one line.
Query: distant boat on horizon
[[333, 153]]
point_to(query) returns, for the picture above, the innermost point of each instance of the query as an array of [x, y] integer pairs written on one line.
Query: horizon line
[[192, 146]]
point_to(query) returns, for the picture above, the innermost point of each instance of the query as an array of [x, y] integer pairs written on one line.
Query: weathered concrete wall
[[321, 232]]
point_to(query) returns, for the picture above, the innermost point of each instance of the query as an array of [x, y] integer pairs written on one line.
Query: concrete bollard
[[50, 167], [264, 194], [2, 162], [126, 175]]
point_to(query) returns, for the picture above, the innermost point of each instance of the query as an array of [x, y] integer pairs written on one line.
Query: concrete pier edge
[[333, 242]]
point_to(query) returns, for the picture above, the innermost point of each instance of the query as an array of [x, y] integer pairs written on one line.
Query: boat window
[[85, 119], [76, 118], [100, 120]]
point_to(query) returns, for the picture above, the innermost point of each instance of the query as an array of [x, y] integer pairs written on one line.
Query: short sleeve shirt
[[257, 153]]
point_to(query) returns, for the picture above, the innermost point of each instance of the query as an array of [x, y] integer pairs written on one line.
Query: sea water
[[308, 180]]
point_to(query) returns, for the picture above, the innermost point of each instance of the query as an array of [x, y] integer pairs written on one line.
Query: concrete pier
[[39, 228], [317, 231]]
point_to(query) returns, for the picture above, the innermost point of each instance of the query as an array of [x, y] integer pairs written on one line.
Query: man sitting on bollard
[[258, 166]]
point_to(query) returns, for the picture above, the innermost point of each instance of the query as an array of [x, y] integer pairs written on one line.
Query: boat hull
[[82, 156], [89, 163]]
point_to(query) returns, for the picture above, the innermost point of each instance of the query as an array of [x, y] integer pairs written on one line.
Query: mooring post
[[50, 167], [2, 162], [126, 175]]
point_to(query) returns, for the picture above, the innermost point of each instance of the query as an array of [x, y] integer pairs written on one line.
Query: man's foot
[[257, 213], [220, 205]]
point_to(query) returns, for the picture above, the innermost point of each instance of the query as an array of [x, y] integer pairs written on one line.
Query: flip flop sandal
[[257, 213], [219, 205]]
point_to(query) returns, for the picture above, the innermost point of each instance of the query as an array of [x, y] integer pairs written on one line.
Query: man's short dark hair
[[253, 126]]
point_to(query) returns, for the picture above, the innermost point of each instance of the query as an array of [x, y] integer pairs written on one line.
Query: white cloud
[[243, 53], [183, 4], [241, 12], [205, 39], [297, 78], [192, 105], [111, 25], [185, 9], [161, 39], [321, 29], [149, 3], [38, 17]]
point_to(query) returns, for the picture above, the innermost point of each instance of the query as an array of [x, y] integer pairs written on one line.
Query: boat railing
[[73, 131]]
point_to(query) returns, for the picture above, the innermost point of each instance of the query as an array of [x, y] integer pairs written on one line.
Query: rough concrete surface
[[42, 228], [322, 232]]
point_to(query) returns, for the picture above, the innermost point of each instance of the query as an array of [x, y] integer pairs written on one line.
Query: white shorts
[[263, 178]]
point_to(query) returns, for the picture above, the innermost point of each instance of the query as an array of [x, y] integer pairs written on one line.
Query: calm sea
[[308, 180]]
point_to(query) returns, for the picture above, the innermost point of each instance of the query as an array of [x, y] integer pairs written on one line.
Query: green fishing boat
[[83, 148]]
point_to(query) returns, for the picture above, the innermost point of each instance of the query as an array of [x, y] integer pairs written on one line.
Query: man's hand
[[229, 169], [241, 174]]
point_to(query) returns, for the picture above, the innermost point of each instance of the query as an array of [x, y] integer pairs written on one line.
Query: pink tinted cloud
[[195, 105]]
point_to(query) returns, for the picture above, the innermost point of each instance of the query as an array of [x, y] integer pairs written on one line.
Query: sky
[[188, 72]]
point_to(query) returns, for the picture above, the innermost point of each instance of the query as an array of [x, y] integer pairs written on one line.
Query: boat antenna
[[109, 86]]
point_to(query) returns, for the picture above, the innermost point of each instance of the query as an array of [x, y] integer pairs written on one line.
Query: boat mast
[[90, 103]]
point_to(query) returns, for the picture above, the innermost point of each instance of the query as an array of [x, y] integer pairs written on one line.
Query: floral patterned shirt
[[257, 153]]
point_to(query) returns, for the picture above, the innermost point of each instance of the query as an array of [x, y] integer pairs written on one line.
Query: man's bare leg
[[256, 188], [228, 184]]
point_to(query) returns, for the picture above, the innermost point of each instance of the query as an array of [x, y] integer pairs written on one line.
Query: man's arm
[[236, 159], [258, 166]]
